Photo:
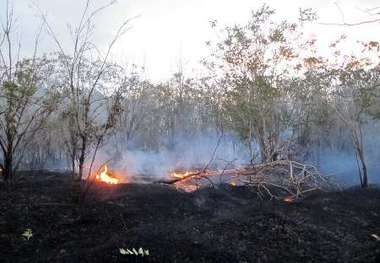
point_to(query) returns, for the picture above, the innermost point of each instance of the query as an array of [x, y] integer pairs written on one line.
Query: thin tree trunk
[[364, 180], [358, 145], [8, 166], [82, 156], [73, 165]]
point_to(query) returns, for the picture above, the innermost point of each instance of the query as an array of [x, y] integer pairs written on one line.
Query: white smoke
[[186, 154]]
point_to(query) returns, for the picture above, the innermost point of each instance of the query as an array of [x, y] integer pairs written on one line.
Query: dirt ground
[[41, 221]]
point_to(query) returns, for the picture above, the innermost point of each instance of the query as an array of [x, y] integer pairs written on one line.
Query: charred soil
[[224, 224]]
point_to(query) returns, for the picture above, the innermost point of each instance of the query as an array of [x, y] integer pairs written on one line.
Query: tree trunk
[[267, 150], [73, 165], [364, 181], [365, 176], [359, 151], [8, 167], [81, 164], [82, 156]]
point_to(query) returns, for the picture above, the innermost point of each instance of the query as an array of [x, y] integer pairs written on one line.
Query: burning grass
[[105, 177]]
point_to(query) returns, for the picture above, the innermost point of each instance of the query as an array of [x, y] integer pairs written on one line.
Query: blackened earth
[[227, 224]]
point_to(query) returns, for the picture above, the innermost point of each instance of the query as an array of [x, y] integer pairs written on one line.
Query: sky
[[167, 34]]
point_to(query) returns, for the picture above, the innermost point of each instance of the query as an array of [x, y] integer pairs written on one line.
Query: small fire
[[180, 174], [106, 178], [288, 199]]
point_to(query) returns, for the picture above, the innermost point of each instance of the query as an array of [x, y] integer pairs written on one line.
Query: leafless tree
[[25, 104], [373, 16], [88, 75]]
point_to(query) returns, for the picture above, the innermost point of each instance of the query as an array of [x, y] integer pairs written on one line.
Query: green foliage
[[254, 59]]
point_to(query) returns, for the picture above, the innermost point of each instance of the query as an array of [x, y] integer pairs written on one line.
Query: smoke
[[342, 163], [198, 151], [187, 153], [194, 152]]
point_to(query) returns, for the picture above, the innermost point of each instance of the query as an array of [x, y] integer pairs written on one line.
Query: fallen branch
[[276, 179], [178, 179]]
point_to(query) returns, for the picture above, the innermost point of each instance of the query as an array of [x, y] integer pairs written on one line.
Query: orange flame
[[106, 178], [288, 199], [180, 174]]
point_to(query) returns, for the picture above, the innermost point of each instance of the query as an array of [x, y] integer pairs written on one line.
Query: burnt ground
[[228, 224]]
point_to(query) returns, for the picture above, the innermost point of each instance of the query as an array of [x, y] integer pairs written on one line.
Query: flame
[[106, 178], [288, 199], [180, 174], [233, 183]]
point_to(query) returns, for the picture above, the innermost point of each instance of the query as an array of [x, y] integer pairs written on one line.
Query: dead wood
[[176, 180], [277, 179]]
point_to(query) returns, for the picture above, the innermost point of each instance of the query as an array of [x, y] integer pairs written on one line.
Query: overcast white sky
[[168, 31]]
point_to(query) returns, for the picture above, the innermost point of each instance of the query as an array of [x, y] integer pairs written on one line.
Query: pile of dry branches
[[279, 179], [288, 178]]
